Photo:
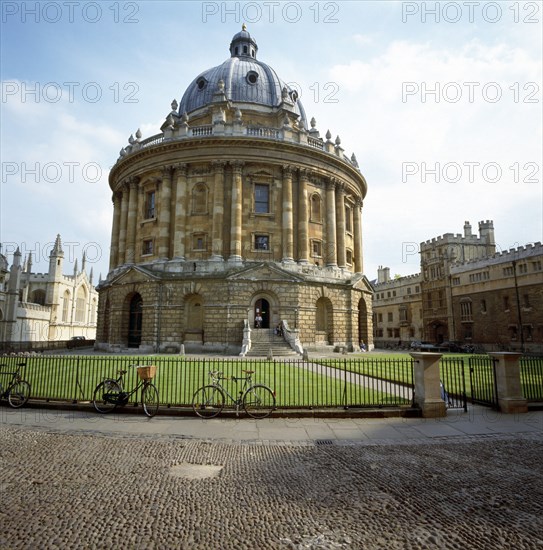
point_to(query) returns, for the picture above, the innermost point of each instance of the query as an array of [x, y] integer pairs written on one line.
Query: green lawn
[[74, 378]]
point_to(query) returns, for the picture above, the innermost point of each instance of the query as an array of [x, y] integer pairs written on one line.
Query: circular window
[[252, 77], [201, 83]]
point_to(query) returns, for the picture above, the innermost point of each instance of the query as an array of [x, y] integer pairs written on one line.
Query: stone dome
[[246, 81]]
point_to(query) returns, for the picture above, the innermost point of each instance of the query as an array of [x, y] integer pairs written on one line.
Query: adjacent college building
[[237, 209], [45, 307], [466, 293]]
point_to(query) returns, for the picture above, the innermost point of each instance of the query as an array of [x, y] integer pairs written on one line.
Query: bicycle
[[109, 393], [257, 400], [18, 390]]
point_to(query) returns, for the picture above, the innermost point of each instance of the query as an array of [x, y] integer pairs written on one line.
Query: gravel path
[[100, 491]]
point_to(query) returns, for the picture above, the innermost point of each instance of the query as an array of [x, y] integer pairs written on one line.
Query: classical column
[[303, 229], [165, 213], [358, 258], [340, 221], [114, 251], [139, 215], [122, 226], [236, 217], [131, 221], [180, 216], [331, 256], [288, 220], [218, 212]]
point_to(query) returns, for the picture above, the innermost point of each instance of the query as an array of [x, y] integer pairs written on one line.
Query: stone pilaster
[[164, 217], [218, 212], [114, 250], [507, 368], [358, 253], [303, 226], [180, 215], [427, 384], [340, 225], [288, 219], [331, 247], [237, 210]]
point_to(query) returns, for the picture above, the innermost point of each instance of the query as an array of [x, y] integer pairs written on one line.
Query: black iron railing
[[297, 383]]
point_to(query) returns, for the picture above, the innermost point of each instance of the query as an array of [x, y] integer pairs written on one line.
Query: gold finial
[[244, 27]]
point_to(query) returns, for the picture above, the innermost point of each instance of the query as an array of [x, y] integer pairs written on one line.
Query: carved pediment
[[133, 274], [363, 284], [265, 272]]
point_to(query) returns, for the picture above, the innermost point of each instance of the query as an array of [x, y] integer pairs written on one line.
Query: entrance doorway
[[135, 321], [262, 309]]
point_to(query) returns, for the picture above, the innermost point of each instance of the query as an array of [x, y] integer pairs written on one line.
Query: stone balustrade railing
[[289, 134]]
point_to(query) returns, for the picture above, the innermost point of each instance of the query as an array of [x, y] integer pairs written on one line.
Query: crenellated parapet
[[526, 252]]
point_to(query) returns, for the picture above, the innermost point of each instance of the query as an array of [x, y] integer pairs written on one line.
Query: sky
[[441, 102]]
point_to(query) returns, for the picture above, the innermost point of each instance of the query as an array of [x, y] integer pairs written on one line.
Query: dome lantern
[[243, 45]]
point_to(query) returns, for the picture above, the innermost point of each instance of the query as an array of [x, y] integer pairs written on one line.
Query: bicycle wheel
[[105, 395], [149, 400], [259, 401], [208, 401], [19, 394]]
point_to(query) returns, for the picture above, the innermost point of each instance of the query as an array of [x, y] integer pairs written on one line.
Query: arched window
[[80, 304], [316, 208], [38, 297], [66, 306], [199, 199]]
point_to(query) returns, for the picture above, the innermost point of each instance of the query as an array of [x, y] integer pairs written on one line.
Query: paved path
[[478, 421], [78, 480]]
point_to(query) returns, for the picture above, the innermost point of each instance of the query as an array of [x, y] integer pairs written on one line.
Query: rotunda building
[[236, 219]]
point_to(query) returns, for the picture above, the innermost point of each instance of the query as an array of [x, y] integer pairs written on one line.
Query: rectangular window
[[390, 316], [526, 300], [262, 199], [349, 257], [262, 242], [483, 306], [150, 205], [147, 248], [316, 246], [348, 219], [465, 309], [380, 317], [199, 241], [456, 281], [506, 303], [507, 271]]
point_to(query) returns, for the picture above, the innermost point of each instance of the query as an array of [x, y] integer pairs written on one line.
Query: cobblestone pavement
[[104, 491]]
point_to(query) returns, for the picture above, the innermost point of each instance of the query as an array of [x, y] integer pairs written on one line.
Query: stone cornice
[[209, 148]]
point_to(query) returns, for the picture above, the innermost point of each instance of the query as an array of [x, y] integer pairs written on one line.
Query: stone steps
[[262, 340]]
